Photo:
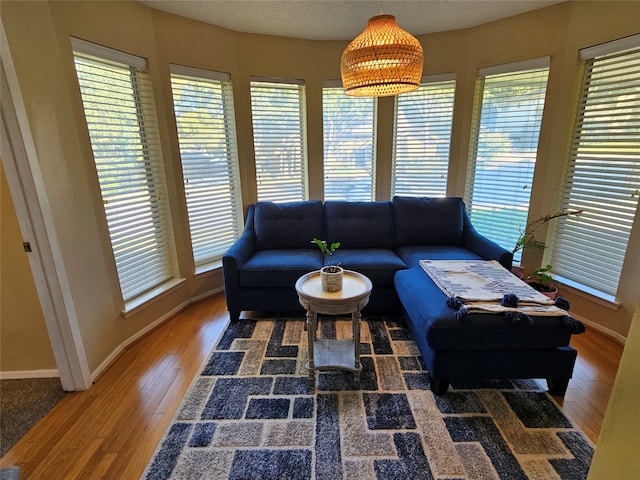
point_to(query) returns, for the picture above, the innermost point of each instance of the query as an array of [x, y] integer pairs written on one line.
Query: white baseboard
[[615, 336], [20, 374], [141, 333], [204, 295], [51, 373]]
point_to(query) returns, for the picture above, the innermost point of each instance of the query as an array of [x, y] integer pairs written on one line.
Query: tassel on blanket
[[454, 302], [518, 319], [563, 303], [575, 326], [461, 314], [509, 300]]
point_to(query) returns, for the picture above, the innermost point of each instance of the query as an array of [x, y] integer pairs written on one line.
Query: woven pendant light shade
[[383, 60]]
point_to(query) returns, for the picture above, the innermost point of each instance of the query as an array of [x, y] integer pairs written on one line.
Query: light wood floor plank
[[111, 430]]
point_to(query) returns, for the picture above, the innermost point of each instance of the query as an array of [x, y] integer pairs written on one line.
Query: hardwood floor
[[586, 399], [111, 430]]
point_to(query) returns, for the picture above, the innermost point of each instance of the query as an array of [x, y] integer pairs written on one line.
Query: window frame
[[509, 223], [582, 162], [264, 143], [154, 212], [204, 207], [332, 150], [415, 125]]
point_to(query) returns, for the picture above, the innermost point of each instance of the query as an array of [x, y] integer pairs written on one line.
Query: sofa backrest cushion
[[428, 221], [288, 225], [359, 224]]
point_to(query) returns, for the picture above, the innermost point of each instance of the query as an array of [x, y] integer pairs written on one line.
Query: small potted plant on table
[[330, 275]]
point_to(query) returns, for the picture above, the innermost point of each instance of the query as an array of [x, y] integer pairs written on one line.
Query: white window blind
[[119, 110], [349, 131], [422, 140], [204, 111], [279, 138], [507, 117], [604, 174]]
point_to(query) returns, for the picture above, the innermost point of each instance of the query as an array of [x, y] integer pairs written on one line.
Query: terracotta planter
[[552, 294], [331, 278], [518, 272]]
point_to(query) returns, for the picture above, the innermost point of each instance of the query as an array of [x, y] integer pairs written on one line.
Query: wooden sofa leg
[[234, 316], [557, 386], [439, 386]]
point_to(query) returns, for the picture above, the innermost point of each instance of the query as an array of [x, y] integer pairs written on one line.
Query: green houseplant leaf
[[326, 249]]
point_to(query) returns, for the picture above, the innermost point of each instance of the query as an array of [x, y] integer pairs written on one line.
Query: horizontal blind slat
[[279, 137], [349, 146], [203, 107], [603, 175], [422, 139], [507, 118], [119, 111]]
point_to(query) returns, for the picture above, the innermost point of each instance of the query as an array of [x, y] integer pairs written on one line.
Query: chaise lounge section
[[385, 241], [484, 346]]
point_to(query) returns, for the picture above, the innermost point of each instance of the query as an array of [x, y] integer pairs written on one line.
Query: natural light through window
[[349, 125], [278, 113], [604, 171], [507, 118], [203, 106], [119, 110], [422, 139]]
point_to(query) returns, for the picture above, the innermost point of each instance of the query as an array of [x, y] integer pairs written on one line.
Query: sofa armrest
[[234, 257], [477, 243]]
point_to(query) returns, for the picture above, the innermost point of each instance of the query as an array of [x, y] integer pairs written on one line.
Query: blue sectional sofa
[[385, 241]]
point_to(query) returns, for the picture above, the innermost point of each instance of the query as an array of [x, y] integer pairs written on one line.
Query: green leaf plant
[[327, 251], [540, 279], [527, 237]]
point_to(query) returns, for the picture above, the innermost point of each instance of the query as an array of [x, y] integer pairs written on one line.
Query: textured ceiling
[[343, 19]]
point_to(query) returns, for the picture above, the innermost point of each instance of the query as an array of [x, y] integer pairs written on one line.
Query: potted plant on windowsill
[[542, 281], [330, 275], [527, 238]]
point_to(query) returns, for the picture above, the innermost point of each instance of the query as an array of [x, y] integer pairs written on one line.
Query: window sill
[[208, 267], [133, 306], [588, 293]]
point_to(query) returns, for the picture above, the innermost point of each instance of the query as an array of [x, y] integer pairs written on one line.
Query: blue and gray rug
[[252, 414]]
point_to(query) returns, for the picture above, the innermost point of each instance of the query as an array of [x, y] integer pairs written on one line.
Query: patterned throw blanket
[[480, 286]]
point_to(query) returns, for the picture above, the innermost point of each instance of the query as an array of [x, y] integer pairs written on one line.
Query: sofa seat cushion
[[288, 225], [378, 264], [427, 309], [412, 254], [359, 224], [278, 268]]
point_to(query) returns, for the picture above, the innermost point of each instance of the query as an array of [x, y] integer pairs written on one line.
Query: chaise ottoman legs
[[557, 386], [439, 386]]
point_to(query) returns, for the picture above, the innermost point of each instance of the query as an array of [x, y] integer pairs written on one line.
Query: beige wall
[[38, 35], [23, 334], [617, 450]]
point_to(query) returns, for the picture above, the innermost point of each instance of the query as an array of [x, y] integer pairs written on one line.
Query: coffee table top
[[354, 286]]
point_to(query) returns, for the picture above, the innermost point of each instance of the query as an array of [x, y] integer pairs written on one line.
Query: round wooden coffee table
[[332, 354]]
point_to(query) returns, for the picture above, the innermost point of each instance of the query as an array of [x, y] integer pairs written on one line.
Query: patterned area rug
[[252, 414]]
